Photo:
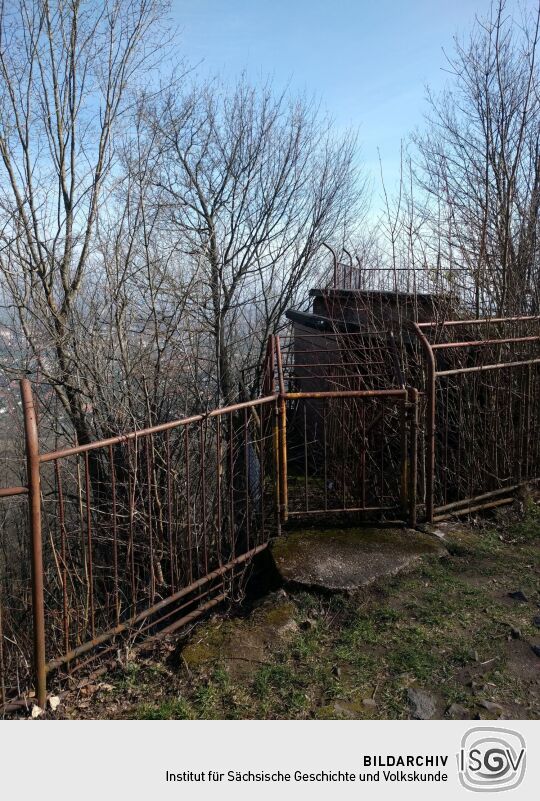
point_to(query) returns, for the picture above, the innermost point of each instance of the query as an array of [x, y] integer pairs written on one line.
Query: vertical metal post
[[430, 440], [430, 422], [527, 427], [413, 453], [283, 488], [268, 375], [2, 666], [283, 460], [34, 503], [405, 465], [277, 471]]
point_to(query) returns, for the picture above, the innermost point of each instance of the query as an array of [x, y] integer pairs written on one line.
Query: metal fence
[[135, 535], [482, 417], [130, 538]]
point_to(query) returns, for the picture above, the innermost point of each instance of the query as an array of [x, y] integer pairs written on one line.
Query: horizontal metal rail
[[485, 496], [8, 492], [360, 347], [337, 334], [133, 435], [482, 342], [485, 367], [183, 621], [480, 321], [329, 510], [349, 393], [319, 365], [467, 510]]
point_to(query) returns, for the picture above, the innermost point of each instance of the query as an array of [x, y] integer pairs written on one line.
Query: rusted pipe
[[484, 496], [128, 624], [467, 510], [485, 367], [447, 323], [8, 492], [275, 449], [330, 510], [283, 487], [346, 393], [49, 457], [413, 454], [430, 421], [184, 621], [34, 506], [139, 633], [479, 342]]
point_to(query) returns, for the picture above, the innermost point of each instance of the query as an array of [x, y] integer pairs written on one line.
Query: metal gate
[[343, 451]]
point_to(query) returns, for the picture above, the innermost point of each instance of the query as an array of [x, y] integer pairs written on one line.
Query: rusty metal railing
[[482, 411], [136, 535]]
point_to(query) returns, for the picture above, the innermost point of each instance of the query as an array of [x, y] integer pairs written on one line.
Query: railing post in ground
[[413, 453], [277, 471], [2, 668], [430, 442], [283, 487], [431, 378], [283, 492], [34, 504], [405, 466]]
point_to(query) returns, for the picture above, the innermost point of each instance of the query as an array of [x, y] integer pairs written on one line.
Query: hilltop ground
[[457, 637]]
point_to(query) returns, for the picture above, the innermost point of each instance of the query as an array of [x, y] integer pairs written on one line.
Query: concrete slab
[[241, 644], [347, 559]]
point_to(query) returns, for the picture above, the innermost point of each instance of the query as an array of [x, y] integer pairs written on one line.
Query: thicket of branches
[[477, 167], [151, 238]]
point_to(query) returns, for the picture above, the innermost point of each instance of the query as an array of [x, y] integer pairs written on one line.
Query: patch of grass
[[171, 709], [413, 653], [279, 687], [130, 676], [529, 527], [215, 698]]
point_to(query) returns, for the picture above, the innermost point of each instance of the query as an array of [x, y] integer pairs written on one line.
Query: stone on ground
[[423, 704], [344, 560]]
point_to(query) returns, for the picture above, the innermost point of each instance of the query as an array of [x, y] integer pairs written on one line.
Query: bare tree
[[252, 184], [66, 75], [479, 160]]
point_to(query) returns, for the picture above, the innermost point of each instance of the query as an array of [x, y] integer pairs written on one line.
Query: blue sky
[[367, 62]]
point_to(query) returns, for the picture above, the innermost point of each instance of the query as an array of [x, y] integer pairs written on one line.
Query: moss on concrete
[[240, 643], [206, 647], [276, 616], [347, 559]]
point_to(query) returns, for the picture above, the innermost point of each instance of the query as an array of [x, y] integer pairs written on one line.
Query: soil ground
[[452, 638]]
